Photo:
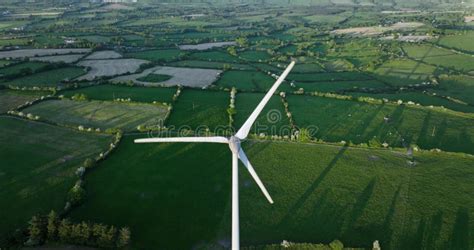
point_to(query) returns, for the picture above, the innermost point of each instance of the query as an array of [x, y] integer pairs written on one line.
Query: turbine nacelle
[[234, 144]]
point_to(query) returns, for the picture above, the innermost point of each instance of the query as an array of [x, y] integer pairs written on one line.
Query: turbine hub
[[234, 144]]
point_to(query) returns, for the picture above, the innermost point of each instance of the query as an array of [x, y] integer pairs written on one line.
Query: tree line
[[50, 228]]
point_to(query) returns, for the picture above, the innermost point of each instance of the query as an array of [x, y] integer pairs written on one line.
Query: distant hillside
[[399, 3], [355, 3]]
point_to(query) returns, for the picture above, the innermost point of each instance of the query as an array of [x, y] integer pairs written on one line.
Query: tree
[[98, 230], [304, 135], [106, 237], [89, 163], [76, 195], [242, 41], [231, 50], [123, 237], [52, 227], [64, 230], [336, 245], [85, 233], [35, 230], [76, 233]]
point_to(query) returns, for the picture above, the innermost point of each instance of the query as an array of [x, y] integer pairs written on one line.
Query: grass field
[[460, 87], [10, 99], [354, 195], [137, 94], [4, 25], [196, 108], [307, 68], [18, 68], [218, 56], [272, 120], [154, 78], [210, 65], [324, 77], [37, 166], [48, 78], [247, 80], [421, 98], [157, 55], [339, 85], [404, 72], [459, 41], [359, 122], [14, 42], [255, 56], [100, 114], [441, 57]]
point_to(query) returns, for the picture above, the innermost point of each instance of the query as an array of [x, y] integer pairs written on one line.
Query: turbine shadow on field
[[460, 236], [300, 202], [386, 231], [364, 125], [361, 203]]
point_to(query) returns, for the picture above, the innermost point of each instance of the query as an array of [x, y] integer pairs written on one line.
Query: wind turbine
[[237, 153]]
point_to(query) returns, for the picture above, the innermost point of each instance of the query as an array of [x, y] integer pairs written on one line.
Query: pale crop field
[[100, 114], [205, 46], [192, 77], [40, 52], [111, 67], [62, 58], [106, 54]]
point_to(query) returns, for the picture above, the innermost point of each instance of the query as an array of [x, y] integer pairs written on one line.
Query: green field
[[307, 68], [272, 120], [37, 167], [157, 55], [112, 92], [47, 78], [459, 87], [354, 195], [339, 85], [10, 24], [421, 98], [255, 56], [197, 108], [210, 65], [100, 114], [154, 78], [404, 72], [324, 77], [14, 42], [441, 57], [218, 56], [247, 80], [459, 41], [360, 122], [10, 99], [21, 67]]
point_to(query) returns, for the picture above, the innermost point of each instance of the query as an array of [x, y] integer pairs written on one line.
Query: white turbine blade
[[214, 139], [252, 172], [245, 129]]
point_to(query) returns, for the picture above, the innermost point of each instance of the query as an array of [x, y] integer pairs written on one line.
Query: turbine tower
[[237, 153]]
